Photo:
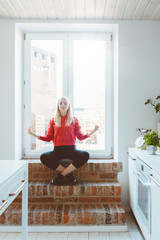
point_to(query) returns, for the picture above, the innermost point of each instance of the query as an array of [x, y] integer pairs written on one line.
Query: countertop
[[152, 161]]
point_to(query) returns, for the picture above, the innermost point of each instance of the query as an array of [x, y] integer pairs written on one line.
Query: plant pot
[[151, 149]]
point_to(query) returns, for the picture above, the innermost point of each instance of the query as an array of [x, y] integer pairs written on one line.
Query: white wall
[[18, 93], [7, 84], [138, 79]]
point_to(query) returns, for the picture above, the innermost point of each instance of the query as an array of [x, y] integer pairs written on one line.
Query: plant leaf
[[157, 107], [157, 97], [148, 101]]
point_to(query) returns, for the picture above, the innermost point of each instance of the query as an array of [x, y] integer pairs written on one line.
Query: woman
[[63, 130]]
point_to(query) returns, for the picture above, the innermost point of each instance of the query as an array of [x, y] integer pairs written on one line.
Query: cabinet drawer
[[12, 188]]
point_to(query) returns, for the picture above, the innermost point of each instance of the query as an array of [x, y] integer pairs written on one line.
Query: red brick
[[16, 218], [37, 218], [80, 218], [93, 215], [85, 168], [45, 217], [88, 199], [122, 213], [91, 167], [43, 200], [2, 218], [82, 190], [79, 208], [36, 167], [76, 190], [103, 167], [51, 191], [86, 214], [88, 176], [66, 214], [30, 167], [106, 191], [35, 175], [111, 190], [100, 219], [70, 190], [30, 218], [51, 217], [122, 218], [109, 167], [43, 175], [99, 191], [108, 176], [94, 190], [111, 199], [114, 167], [108, 216], [45, 190], [117, 191], [72, 219], [46, 207], [80, 214], [64, 190], [97, 167], [58, 190], [39, 190], [88, 191], [114, 213], [59, 214], [33, 190]]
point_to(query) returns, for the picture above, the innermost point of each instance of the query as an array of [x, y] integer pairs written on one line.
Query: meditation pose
[[63, 130]]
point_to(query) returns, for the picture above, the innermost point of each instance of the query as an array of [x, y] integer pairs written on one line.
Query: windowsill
[[92, 160]]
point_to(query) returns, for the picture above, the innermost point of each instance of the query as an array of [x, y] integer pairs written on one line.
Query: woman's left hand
[[94, 130], [96, 127]]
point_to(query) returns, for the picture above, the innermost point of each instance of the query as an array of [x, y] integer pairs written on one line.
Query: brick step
[[95, 192], [93, 170], [66, 214]]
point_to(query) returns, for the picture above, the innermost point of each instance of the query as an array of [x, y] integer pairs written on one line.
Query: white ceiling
[[81, 9]]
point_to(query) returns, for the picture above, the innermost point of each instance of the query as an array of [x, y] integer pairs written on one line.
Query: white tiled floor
[[132, 234]]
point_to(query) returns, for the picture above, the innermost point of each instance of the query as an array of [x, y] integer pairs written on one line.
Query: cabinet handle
[[4, 203], [23, 183], [147, 184], [154, 180], [131, 157]]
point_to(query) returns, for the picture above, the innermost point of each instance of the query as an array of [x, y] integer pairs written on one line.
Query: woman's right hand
[[29, 130], [32, 133]]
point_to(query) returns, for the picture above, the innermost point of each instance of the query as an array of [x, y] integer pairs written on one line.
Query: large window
[[77, 66]]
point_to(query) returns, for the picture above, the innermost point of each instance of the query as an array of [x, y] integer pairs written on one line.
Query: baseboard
[[83, 228]]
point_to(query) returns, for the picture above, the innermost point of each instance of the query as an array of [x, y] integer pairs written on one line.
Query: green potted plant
[[152, 141], [156, 104]]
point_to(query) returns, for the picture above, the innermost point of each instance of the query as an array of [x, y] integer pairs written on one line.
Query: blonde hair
[[69, 119]]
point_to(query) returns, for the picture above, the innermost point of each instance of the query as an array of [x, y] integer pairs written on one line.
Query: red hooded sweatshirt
[[64, 135]]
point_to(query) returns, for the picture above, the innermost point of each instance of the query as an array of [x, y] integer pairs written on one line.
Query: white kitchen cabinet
[[132, 180], [13, 180], [155, 207]]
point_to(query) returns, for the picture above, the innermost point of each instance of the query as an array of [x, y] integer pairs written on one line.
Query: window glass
[[46, 85]]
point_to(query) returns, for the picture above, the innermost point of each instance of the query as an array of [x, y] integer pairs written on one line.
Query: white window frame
[[68, 39]]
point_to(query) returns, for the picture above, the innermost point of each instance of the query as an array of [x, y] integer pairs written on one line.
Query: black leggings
[[51, 159]]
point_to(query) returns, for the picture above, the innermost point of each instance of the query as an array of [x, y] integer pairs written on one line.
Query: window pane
[[89, 90], [46, 85]]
